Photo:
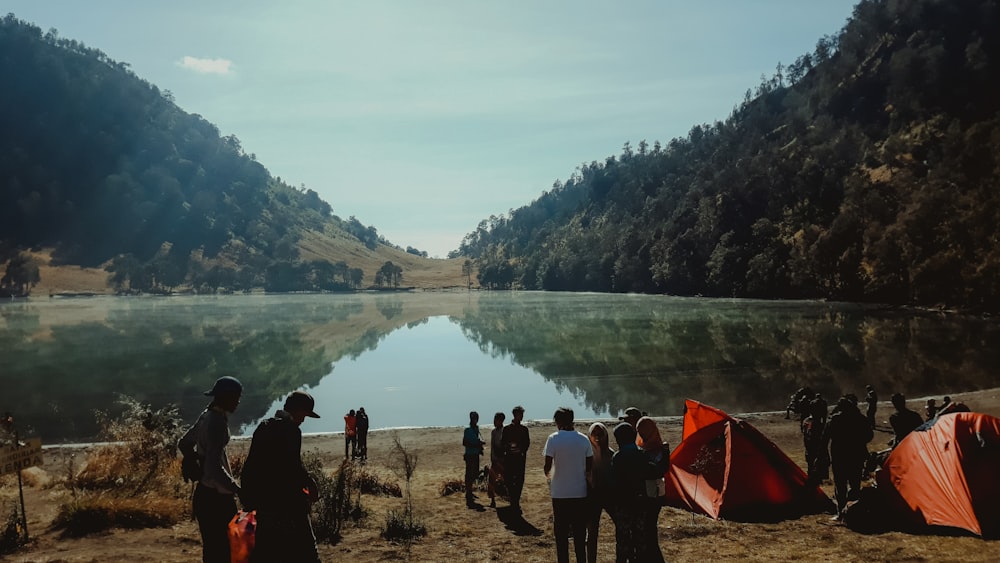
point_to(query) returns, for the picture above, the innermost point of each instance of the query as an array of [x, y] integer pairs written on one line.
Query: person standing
[[279, 488], [847, 433], [214, 502], [496, 458], [362, 424], [350, 434], [813, 428], [632, 416], [872, 399], [568, 460], [473, 443], [601, 497], [515, 441], [632, 471], [903, 421]]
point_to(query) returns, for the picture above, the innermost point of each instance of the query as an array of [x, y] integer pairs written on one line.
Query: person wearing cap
[[214, 502], [632, 416], [277, 485], [515, 440]]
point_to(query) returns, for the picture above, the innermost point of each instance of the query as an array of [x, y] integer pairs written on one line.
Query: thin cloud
[[206, 66]]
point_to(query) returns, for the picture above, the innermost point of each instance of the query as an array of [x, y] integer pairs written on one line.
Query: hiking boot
[[493, 503]]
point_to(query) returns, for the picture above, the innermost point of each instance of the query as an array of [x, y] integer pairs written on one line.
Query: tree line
[[866, 170], [105, 168]]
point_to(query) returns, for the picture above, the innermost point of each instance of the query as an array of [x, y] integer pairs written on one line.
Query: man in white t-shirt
[[568, 458]]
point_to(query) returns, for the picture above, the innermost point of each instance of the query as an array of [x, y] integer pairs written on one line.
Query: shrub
[[372, 484], [92, 513], [336, 502], [12, 534], [134, 481], [402, 526]]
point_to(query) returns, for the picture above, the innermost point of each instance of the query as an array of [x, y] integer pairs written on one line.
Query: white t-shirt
[[569, 451]]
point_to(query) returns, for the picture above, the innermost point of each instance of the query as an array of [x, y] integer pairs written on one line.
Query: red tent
[[948, 474], [725, 468]]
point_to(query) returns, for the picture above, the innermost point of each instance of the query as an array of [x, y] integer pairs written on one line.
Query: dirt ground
[[456, 533]]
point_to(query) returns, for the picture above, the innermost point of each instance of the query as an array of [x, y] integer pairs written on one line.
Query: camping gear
[[242, 533], [725, 468], [945, 474]]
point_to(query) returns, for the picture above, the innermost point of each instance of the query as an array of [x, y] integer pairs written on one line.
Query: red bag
[[242, 530]]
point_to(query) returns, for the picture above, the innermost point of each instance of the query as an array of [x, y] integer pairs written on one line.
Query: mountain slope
[[106, 171], [866, 170]]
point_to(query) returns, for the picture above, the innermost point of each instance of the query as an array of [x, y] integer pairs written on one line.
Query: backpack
[[192, 467]]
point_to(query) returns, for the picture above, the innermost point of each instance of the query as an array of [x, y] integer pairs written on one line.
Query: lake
[[428, 358]]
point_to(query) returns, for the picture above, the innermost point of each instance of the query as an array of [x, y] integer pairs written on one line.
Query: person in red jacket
[[351, 434]]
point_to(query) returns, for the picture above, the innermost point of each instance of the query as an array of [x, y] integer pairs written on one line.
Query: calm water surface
[[426, 359]]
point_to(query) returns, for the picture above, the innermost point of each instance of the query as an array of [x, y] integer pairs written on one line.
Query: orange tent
[[948, 474], [725, 468]]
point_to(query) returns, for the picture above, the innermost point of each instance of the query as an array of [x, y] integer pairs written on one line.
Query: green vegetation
[[20, 276], [106, 169], [866, 170]]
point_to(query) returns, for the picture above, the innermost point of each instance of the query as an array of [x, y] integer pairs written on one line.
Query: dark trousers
[[363, 444], [513, 477], [596, 506], [284, 537], [569, 515], [471, 472], [213, 510], [847, 480], [351, 447], [636, 532]]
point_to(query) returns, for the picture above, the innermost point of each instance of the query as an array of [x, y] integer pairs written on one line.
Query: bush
[[11, 532], [335, 504], [402, 526], [88, 514], [135, 481]]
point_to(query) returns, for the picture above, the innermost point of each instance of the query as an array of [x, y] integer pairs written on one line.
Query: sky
[[424, 117]]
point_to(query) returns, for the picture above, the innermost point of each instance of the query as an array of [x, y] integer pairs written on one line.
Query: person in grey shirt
[[215, 494]]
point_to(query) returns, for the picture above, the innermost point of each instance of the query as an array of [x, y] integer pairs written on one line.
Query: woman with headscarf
[[601, 495]]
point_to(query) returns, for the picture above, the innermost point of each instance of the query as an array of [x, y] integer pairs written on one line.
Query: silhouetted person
[[515, 440], [601, 497], [632, 472], [848, 433], [813, 429], [214, 497], [279, 488], [496, 458], [632, 416], [872, 399], [473, 442], [931, 409], [362, 425], [903, 421]]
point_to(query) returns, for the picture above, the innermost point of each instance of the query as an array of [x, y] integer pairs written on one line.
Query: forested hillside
[[866, 170], [106, 169]]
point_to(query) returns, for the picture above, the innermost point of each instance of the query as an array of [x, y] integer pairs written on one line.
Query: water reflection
[[426, 359]]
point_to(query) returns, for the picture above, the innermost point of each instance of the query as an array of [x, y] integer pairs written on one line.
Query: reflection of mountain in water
[[615, 351], [168, 351]]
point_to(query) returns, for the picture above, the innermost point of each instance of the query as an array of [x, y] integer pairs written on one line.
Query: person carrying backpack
[[206, 462]]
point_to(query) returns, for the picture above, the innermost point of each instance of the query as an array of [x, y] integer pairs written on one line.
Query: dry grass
[[92, 513], [457, 534]]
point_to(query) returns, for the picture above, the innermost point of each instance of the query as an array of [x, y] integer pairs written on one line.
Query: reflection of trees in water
[[164, 353], [389, 307], [740, 356]]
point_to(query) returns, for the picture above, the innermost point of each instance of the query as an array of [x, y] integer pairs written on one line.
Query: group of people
[[274, 481], [585, 476], [840, 438], [356, 434]]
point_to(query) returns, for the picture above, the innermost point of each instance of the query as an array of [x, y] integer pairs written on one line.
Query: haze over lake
[[427, 359]]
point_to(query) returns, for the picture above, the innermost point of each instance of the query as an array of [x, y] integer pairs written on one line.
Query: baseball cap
[[631, 412], [301, 400], [225, 384]]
